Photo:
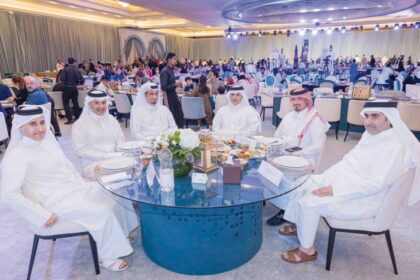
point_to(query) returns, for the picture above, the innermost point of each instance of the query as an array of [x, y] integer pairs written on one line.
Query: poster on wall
[[135, 44]]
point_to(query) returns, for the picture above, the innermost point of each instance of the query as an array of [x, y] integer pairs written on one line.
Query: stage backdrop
[[135, 43], [380, 43]]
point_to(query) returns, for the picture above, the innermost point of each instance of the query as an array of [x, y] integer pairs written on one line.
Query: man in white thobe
[[96, 134], [237, 118], [105, 87], [148, 118], [42, 186], [355, 187], [303, 130]]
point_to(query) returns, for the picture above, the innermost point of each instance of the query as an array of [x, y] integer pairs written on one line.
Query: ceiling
[[204, 18]]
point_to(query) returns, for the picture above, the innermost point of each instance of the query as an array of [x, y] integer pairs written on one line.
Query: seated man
[[189, 86], [105, 87], [303, 129], [37, 96], [238, 118], [354, 187], [44, 188], [96, 134], [148, 118]]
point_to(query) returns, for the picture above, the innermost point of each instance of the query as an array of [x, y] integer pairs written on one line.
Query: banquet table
[[202, 229], [338, 86]]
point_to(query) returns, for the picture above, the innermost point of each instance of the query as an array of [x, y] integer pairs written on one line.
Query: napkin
[[120, 176]]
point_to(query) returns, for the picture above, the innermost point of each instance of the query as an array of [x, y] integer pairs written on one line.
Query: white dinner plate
[[129, 145], [117, 164], [291, 161]]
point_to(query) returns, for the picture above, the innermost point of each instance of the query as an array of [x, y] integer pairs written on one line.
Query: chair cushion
[[61, 227], [356, 224]]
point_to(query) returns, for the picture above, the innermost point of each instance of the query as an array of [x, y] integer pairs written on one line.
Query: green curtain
[[30, 43], [380, 43]]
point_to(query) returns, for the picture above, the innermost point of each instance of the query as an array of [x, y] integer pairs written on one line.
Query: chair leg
[[347, 132], [336, 130], [33, 254], [126, 120], [391, 250], [94, 254], [331, 240]]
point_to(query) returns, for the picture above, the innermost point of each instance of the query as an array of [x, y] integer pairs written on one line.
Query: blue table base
[[201, 241]]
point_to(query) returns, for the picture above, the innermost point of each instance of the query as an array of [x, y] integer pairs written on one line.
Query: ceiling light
[[52, 2], [302, 32], [379, 6], [329, 31], [316, 10], [104, 13], [315, 20], [343, 29], [302, 11], [314, 32], [228, 36], [124, 4], [240, 15], [331, 9], [345, 8], [330, 19], [344, 17], [396, 26], [73, 7], [117, 16], [302, 20], [11, 12], [89, 10], [235, 36], [376, 27]]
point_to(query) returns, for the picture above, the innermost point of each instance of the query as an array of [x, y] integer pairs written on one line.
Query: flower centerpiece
[[184, 145]]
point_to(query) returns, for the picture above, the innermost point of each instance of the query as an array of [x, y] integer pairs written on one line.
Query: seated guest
[[202, 90], [238, 118], [384, 78], [189, 86], [104, 86], [260, 76], [119, 75], [96, 134], [8, 119], [354, 71], [148, 118], [6, 95], [355, 187], [214, 83], [37, 96], [221, 90], [410, 79], [303, 128], [230, 81], [22, 92], [44, 188]]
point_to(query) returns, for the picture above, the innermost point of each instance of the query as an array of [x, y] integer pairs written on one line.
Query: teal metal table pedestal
[[201, 241]]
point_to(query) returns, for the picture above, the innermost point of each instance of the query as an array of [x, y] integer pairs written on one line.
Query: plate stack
[[293, 166], [119, 164], [130, 146]]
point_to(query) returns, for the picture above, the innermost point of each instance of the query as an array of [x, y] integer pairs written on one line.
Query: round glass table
[[201, 229]]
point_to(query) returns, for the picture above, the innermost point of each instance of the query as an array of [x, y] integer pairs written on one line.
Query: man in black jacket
[[71, 77], [168, 85]]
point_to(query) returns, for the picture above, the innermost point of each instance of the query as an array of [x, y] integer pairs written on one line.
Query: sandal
[[288, 229], [291, 256], [114, 265]]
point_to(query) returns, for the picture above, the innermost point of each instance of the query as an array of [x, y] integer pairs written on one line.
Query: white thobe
[[106, 89], [384, 76], [40, 181], [359, 183], [312, 143], [147, 121], [237, 120], [95, 138]]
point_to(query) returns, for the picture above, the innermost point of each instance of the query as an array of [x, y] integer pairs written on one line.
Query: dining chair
[[221, 101], [266, 103], [327, 83], [123, 106], [353, 115], [270, 81], [250, 92], [193, 108], [410, 115], [360, 83], [57, 96], [285, 107], [377, 225], [330, 110], [81, 97], [412, 91], [4, 134], [323, 90]]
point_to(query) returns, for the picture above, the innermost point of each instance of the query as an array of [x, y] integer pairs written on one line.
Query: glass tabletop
[[253, 188]]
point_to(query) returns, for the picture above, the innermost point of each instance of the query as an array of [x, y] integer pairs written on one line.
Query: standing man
[[71, 77], [168, 85]]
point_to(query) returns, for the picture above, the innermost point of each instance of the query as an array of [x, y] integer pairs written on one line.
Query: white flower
[[189, 139], [173, 142]]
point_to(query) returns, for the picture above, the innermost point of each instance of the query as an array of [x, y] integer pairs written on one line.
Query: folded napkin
[[120, 176], [265, 140]]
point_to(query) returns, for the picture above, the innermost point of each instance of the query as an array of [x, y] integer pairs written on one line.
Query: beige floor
[[355, 257]]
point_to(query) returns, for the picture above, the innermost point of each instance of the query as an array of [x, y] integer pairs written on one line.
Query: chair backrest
[[81, 98], [328, 84], [392, 201], [410, 114], [391, 94], [329, 108], [323, 90], [270, 81], [249, 90], [193, 108], [374, 74], [285, 107], [412, 91], [221, 100], [397, 84], [360, 83], [57, 96], [3, 128], [266, 101], [353, 112], [122, 103]]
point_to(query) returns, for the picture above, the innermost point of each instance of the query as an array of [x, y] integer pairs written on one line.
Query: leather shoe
[[277, 219]]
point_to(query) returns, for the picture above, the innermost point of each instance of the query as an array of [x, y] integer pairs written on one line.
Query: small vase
[[182, 167]]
